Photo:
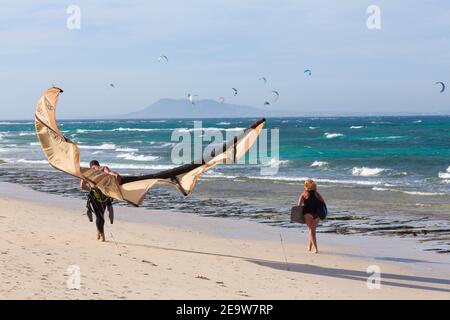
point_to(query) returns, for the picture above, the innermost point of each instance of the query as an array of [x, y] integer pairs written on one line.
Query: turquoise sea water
[[410, 154], [362, 164]]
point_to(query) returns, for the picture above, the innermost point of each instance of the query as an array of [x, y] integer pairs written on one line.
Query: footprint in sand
[[243, 293], [202, 278], [149, 262]]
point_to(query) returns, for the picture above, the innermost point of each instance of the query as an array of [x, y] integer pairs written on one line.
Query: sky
[[214, 45]]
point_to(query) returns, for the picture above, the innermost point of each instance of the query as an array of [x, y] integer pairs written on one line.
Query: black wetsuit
[[311, 204], [99, 208]]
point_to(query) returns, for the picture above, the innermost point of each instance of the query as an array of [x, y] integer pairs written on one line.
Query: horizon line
[[341, 115]]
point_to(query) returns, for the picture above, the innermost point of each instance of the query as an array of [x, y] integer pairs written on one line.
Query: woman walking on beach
[[311, 200]]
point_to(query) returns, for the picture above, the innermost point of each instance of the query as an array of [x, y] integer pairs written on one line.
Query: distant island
[[206, 108], [209, 108]]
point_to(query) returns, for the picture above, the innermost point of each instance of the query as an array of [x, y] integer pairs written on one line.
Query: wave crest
[[329, 135], [136, 157], [319, 164], [367, 172], [105, 146]]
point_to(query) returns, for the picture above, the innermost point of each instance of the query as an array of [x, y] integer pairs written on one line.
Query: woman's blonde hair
[[310, 185]]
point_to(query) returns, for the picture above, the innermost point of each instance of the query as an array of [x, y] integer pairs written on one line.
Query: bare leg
[[309, 247], [315, 223], [309, 224]]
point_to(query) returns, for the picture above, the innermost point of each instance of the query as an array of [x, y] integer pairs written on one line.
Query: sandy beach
[[169, 255]]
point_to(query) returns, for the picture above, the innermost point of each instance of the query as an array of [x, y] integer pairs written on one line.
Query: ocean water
[[379, 175]]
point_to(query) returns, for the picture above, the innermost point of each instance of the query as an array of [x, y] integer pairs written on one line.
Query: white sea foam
[[138, 129], [313, 128], [332, 135], [209, 129], [319, 164], [75, 122], [445, 175], [381, 122], [16, 134], [121, 129], [273, 162], [34, 144], [7, 123], [32, 161], [105, 146], [135, 157], [164, 145], [383, 138], [422, 204], [127, 150], [219, 175], [413, 193], [367, 172], [419, 193], [134, 166], [98, 152], [89, 130], [319, 180], [356, 127], [223, 123], [380, 189], [418, 121]]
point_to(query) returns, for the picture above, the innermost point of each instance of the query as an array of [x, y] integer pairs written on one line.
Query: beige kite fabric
[[64, 155]]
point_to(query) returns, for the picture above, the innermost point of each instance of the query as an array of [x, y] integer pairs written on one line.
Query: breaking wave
[[105, 146], [332, 135], [367, 172], [319, 164], [135, 157]]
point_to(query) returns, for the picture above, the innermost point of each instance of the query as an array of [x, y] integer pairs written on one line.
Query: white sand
[[183, 256]]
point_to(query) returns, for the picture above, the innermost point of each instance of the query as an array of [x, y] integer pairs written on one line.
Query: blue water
[[379, 175], [406, 154]]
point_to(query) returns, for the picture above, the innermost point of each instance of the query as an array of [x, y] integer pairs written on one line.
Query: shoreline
[[167, 255], [353, 210]]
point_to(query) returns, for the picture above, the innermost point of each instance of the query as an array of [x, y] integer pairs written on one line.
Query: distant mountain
[[207, 108]]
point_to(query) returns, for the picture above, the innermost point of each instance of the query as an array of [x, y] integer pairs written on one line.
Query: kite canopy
[[277, 95], [442, 86], [64, 155], [163, 58], [191, 98]]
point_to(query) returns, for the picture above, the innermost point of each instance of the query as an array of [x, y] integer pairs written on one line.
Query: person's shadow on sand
[[388, 279]]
